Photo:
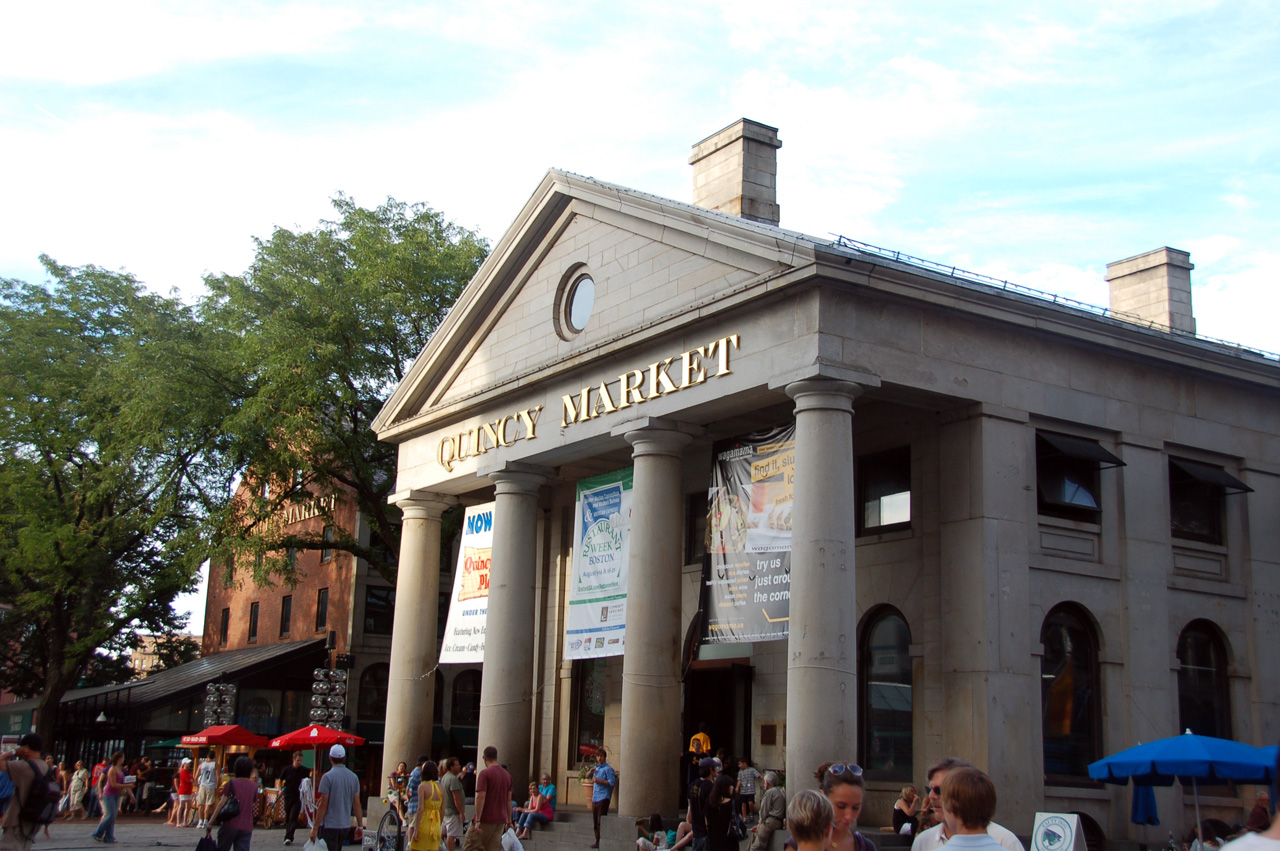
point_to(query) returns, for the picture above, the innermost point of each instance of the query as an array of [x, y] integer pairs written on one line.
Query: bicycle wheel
[[390, 832]]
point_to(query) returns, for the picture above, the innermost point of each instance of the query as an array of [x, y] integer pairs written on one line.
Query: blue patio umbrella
[[1144, 809], [1188, 758]]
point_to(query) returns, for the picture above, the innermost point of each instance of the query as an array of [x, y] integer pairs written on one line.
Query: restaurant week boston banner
[[469, 606], [596, 621], [747, 584]]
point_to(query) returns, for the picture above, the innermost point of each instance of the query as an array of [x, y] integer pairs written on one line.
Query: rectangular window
[[695, 527], [326, 554], [225, 627], [322, 609], [1067, 476], [379, 610], [1198, 499], [286, 614], [883, 483], [253, 622]]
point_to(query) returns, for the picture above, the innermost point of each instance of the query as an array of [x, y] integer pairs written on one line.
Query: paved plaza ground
[[143, 832]]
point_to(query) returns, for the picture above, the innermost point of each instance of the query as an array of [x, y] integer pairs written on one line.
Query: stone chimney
[[1155, 286], [735, 171]]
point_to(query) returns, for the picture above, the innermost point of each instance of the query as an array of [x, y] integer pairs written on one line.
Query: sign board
[[747, 586], [469, 605], [1057, 832], [595, 625]]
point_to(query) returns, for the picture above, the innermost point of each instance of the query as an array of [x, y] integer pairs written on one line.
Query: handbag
[[230, 809]]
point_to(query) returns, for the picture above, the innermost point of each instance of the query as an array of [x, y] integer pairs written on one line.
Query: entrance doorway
[[717, 693]]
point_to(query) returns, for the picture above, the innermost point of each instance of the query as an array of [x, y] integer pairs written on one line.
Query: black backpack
[[40, 806]]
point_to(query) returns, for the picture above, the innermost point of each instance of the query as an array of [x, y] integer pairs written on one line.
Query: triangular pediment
[[654, 263]]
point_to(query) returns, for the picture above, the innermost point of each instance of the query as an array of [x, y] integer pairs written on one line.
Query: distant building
[[144, 659]]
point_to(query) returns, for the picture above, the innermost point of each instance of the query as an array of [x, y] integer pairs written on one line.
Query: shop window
[[883, 482], [1069, 696], [1198, 498], [253, 622], [466, 698], [326, 554], [224, 628], [886, 705], [322, 609], [1067, 476], [286, 614], [379, 610], [1203, 703], [373, 691], [589, 679]]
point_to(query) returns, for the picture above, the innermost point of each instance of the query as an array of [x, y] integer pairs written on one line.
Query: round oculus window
[[579, 304]]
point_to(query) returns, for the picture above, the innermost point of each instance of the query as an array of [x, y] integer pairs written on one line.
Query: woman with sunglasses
[[842, 784]]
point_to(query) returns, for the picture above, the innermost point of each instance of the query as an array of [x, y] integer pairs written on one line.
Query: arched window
[[466, 698], [373, 691], [1203, 704], [885, 711], [1070, 699]]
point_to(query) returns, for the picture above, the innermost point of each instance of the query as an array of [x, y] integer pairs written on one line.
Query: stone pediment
[[655, 265]]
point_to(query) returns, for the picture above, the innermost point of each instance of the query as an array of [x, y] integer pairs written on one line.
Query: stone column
[[411, 681], [822, 647], [651, 665], [506, 689], [990, 681]]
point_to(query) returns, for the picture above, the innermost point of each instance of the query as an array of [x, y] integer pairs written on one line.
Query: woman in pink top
[[113, 785], [238, 830]]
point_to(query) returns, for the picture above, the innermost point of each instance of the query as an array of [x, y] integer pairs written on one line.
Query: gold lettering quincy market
[[661, 378], [504, 431]]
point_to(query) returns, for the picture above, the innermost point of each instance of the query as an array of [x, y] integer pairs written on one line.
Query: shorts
[[747, 797], [205, 797], [182, 799], [451, 826]]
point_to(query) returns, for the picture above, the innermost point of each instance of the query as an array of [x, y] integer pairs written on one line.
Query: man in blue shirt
[[604, 779]]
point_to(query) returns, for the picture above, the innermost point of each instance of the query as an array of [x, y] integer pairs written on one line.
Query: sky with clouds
[[1033, 142]]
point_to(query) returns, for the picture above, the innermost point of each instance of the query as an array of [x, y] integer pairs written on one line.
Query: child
[[652, 836], [809, 818]]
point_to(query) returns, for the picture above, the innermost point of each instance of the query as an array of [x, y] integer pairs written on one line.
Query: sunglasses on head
[[838, 768]]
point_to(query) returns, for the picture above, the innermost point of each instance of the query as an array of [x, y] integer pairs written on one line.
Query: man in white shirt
[[936, 836]]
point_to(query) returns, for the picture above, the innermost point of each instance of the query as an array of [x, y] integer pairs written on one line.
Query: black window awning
[[1210, 475], [1080, 447]]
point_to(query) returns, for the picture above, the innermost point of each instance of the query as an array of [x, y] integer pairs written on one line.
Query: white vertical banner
[[595, 624], [469, 605]]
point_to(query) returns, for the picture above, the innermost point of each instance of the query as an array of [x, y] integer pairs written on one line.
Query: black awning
[[1210, 475], [1080, 447]]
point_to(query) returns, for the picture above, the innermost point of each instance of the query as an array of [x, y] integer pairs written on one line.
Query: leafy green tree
[[175, 650], [327, 322], [111, 456]]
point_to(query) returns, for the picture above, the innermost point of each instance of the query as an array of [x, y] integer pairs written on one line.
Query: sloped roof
[[164, 685]]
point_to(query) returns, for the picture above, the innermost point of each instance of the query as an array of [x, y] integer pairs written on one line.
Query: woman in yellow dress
[[424, 830]]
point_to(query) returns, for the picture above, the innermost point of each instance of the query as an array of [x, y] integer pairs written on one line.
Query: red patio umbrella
[[231, 734], [314, 736]]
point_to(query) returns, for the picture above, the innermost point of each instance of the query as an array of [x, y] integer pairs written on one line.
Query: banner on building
[[747, 582], [595, 625], [469, 605]]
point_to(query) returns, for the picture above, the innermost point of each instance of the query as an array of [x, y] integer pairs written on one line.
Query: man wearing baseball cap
[[339, 800]]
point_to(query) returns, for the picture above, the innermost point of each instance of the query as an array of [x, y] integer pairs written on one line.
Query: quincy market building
[[1021, 531]]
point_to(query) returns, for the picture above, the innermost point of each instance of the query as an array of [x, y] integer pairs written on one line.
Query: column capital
[[517, 478], [657, 436], [824, 394], [420, 504]]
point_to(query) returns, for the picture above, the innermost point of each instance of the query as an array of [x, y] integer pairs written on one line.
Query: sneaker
[[288, 842]]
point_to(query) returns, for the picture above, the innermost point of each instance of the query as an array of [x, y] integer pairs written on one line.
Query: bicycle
[[390, 835]]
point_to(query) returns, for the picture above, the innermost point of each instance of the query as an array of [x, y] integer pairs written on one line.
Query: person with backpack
[[114, 785], [32, 804]]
